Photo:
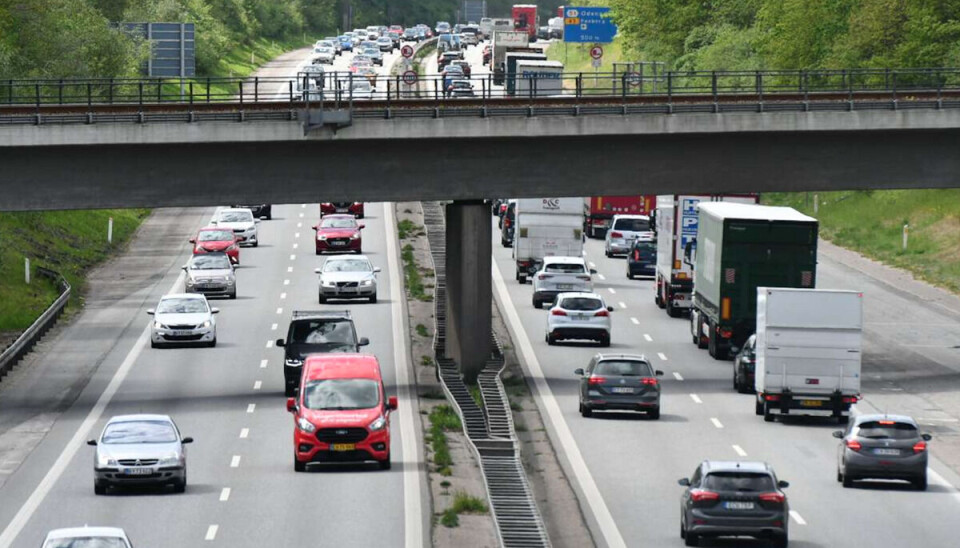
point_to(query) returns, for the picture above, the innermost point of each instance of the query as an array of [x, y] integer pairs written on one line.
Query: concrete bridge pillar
[[469, 296]]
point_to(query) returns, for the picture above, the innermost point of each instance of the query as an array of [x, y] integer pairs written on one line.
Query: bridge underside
[[189, 174]]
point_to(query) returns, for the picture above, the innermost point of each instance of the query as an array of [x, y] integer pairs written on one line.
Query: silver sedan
[[140, 450], [348, 277], [211, 274]]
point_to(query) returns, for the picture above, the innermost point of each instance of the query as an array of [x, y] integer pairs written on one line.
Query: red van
[[342, 413]]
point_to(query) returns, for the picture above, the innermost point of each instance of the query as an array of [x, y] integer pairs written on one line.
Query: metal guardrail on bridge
[[25, 342]]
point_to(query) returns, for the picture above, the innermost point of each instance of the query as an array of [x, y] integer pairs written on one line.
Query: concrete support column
[[469, 296]]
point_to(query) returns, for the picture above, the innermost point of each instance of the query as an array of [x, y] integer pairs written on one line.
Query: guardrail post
[[240, 83], [37, 89], [10, 93], [670, 89], [208, 89], [894, 77], [256, 89], [290, 88], [140, 93], [60, 92], [579, 85], [159, 90], [110, 91]]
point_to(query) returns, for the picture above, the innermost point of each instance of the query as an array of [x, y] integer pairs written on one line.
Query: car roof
[[231, 209], [341, 365], [564, 260], [644, 217], [214, 227], [860, 419], [735, 466], [139, 417], [334, 258], [85, 531], [195, 296], [602, 356], [586, 294], [321, 314]]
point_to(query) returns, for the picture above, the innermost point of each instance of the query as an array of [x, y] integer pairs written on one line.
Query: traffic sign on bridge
[[407, 51], [588, 24], [596, 52], [410, 77]]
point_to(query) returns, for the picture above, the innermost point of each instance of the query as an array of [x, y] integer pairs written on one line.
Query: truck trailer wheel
[[767, 415], [672, 311]]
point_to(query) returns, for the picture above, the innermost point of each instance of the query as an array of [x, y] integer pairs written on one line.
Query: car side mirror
[[578, 371], [187, 439], [392, 403], [609, 309], [314, 227], [658, 373], [685, 482], [192, 240], [213, 222], [361, 226], [292, 405], [783, 484], [318, 270], [926, 437], [376, 269], [214, 310], [92, 442], [363, 341], [838, 434], [184, 267], [593, 270], [279, 342], [151, 311]]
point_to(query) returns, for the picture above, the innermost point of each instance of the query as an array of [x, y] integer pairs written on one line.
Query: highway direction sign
[[588, 24]]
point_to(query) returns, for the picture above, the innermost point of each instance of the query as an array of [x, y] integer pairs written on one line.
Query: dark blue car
[[346, 42], [642, 258]]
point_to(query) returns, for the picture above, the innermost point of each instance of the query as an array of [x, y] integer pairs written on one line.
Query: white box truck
[[539, 78], [808, 352], [546, 227]]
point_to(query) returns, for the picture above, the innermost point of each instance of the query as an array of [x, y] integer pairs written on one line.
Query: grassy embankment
[[871, 223], [576, 58]]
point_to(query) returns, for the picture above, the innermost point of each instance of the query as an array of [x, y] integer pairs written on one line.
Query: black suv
[[316, 332]]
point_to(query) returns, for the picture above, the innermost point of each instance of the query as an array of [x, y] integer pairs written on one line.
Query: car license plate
[[738, 505], [882, 451], [181, 333], [343, 446], [811, 403], [338, 243], [622, 390], [342, 210], [137, 471], [564, 286]]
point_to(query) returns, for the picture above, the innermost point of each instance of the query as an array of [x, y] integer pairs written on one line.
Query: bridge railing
[[350, 86]]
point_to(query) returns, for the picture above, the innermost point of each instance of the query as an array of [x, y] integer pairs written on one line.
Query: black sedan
[[744, 367], [882, 447]]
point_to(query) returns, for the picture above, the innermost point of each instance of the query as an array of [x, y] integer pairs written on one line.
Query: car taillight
[[771, 397], [558, 312], [699, 495], [853, 445], [771, 497], [594, 380], [920, 447], [726, 333], [584, 278], [506, 222], [602, 314], [544, 276], [850, 399], [649, 381], [616, 234]]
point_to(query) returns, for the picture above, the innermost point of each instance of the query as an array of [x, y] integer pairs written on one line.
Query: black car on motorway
[[744, 366], [507, 221], [315, 332], [882, 447], [642, 258], [260, 211], [728, 499]]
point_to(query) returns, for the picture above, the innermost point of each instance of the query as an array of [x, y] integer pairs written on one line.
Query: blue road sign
[[588, 24]]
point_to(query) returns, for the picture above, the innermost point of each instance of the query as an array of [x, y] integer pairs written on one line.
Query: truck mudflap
[[680, 297], [789, 403], [526, 269]]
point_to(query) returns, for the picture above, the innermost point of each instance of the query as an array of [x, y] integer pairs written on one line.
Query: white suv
[[558, 275], [579, 316], [241, 221], [624, 229]]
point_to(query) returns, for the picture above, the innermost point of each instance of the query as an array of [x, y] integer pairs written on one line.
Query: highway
[[625, 467]]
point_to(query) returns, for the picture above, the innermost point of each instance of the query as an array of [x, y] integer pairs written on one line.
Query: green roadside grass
[[576, 59], [871, 223]]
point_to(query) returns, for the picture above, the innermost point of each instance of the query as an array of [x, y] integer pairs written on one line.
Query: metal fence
[[26, 341]]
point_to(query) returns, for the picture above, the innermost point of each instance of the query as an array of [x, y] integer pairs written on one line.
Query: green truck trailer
[[740, 247]]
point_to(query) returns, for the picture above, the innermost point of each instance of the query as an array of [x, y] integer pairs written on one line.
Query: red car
[[339, 234], [353, 208], [217, 239], [342, 412]]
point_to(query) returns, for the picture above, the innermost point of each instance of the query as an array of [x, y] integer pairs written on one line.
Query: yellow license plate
[[343, 447], [811, 403]]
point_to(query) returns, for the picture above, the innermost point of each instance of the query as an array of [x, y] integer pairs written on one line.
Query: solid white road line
[[225, 494], [412, 479], [244, 433], [647, 337], [606, 525], [622, 304], [235, 461], [70, 449], [662, 356], [716, 422], [257, 385], [677, 376], [695, 398], [612, 290], [796, 517], [635, 321], [739, 450], [270, 343], [211, 532], [251, 407]]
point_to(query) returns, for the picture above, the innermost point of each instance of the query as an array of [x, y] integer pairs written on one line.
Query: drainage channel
[[490, 429]]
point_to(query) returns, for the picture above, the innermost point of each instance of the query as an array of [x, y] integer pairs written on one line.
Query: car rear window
[[887, 430], [738, 481], [646, 249], [565, 268], [581, 303], [624, 368], [632, 225]]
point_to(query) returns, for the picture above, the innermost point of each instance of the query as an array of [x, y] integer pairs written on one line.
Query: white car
[[348, 277], [87, 537], [241, 221], [361, 89], [558, 275], [183, 318], [323, 55], [579, 316], [624, 229]]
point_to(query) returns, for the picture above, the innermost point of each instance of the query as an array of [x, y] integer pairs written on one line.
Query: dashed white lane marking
[[694, 397], [289, 269], [647, 337], [270, 343], [301, 215], [296, 246], [279, 311], [662, 356], [601, 276], [257, 385], [716, 422], [677, 376], [635, 321], [273, 327], [293, 257], [739, 450], [797, 518], [211, 532], [584, 252], [244, 433], [612, 290], [622, 304], [592, 265], [303, 206], [235, 461], [225, 494], [283, 295], [251, 407], [299, 225], [263, 364], [286, 282], [296, 234]]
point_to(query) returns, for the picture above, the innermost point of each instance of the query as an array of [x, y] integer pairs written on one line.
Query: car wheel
[[385, 463], [504, 243], [847, 481], [920, 484], [629, 275], [585, 411], [321, 299], [759, 408], [233, 295], [99, 488], [839, 476], [672, 311], [655, 414], [691, 539], [153, 344], [299, 466], [657, 300], [257, 243], [373, 299], [605, 341], [780, 541], [736, 383], [607, 253], [181, 486], [212, 343], [537, 303], [551, 340], [767, 415]]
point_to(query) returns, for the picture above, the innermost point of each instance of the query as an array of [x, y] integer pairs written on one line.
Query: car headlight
[[206, 324], [158, 325], [190, 281], [366, 282], [355, 236], [233, 247], [170, 460], [306, 426], [105, 460], [293, 362], [328, 283], [322, 237], [377, 424]]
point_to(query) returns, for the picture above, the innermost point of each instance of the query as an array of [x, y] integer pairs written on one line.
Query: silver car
[[558, 275], [140, 450], [348, 277], [624, 229], [87, 537], [241, 221], [211, 274], [619, 382], [183, 318], [579, 316]]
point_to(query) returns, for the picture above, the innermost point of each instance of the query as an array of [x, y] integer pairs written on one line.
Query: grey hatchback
[[621, 382], [882, 447], [725, 499]]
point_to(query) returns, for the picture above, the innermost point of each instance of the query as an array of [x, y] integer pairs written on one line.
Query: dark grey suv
[[882, 447], [725, 499], [620, 382]]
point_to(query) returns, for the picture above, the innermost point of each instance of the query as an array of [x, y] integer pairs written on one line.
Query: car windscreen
[[348, 265], [182, 306], [739, 481], [624, 368], [215, 235], [209, 262], [632, 225], [236, 217], [581, 303], [338, 223], [323, 332], [887, 430], [645, 249], [341, 394], [85, 542], [139, 432], [564, 268]]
